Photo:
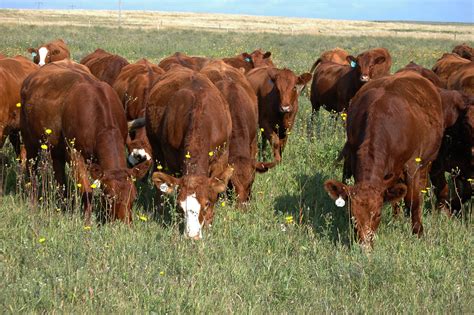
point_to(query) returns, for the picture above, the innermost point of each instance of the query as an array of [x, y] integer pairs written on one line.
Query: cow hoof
[[418, 229]]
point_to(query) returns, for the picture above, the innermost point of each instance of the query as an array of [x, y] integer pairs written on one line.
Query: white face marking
[[364, 78], [138, 155], [191, 208], [43, 52]]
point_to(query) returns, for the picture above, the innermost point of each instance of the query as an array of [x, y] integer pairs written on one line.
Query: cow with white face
[[53, 51], [189, 127]]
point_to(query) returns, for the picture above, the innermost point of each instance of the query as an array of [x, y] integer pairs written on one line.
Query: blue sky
[[411, 10]]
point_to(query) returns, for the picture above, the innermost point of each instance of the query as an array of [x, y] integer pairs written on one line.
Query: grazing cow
[[430, 75], [189, 127], [277, 93], [78, 118], [463, 79], [447, 65], [258, 58], [464, 51], [104, 65], [336, 55], [133, 86], [334, 85], [53, 51], [242, 100], [12, 73], [394, 130], [191, 62]]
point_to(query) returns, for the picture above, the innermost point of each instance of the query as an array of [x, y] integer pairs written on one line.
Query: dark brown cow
[[334, 85], [447, 65], [465, 51], [463, 79], [78, 118], [390, 162], [336, 55], [277, 93], [104, 65], [191, 62], [12, 73], [258, 58], [244, 113], [186, 119], [430, 75], [133, 86], [53, 51]]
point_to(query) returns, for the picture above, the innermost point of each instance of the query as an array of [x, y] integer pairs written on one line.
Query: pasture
[[290, 252]]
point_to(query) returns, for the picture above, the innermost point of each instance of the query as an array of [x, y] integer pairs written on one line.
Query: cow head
[[365, 205], [289, 86], [455, 103], [119, 188], [261, 58], [42, 55], [366, 64], [464, 51], [196, 197]]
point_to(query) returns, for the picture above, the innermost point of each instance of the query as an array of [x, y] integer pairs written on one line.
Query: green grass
[[249, 262]]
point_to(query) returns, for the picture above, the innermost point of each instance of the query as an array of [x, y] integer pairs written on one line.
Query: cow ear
[[267, 55], [336, 189], [140, 170], [219, 183], [32, 51], [379, 59], [96, 171], [395, 193], [165, 183], [302, 81], [55, 52]]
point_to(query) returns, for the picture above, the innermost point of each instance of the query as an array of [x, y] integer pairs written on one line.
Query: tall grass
[[289, 252]]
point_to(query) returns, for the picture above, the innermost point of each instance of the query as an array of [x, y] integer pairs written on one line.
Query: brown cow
[[192, 62], [66, 110], [336, 55], [465, 51], [244, 113], [258, 58], [133, 86], [447, 65], [430, 75], [334, 85], [186, 119], [390, 162], [53, 51], [277, 93], [104, 65], [463, 79]]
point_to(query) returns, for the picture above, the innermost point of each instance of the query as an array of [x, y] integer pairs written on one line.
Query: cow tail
[[315, 64]]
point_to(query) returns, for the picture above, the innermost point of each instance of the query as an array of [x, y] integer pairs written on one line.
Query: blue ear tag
[[353, 64], [33, 54], [248, 59]]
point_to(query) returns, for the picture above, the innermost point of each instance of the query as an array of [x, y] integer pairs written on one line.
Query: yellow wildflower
[[470, 180], [93, 186], [18, 105], [211, 153], [289, 219], [143, 218], [188, 156], [87, 228], [223, 203], [41, 240], [44, 147], [418, 159], [424, 191], [48, 131], [79, 185], [162, 273], [261, 129]]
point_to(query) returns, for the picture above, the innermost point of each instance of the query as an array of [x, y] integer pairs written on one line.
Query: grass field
[[249, 262]]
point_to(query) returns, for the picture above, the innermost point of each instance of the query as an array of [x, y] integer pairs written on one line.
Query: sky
[[406, 10]]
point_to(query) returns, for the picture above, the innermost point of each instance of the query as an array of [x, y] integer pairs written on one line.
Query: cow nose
[[364, 78], [41, 64], [285, 109]]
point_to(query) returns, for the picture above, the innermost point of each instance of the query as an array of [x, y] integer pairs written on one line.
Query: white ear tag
[[340, 202], [164, 187]]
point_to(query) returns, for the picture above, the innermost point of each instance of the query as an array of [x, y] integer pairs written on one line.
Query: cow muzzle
[[285, 109], [364, 78]]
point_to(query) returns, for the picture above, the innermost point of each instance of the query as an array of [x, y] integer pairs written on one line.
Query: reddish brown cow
[[12, 73], [430, 75], [2, 56], [464, 51], [463, 79], [258, 58], [191, 62], [244, 113], [133, 86], [186, 119], [334, 85], [104, 65], [390, 162], [53, 51], [79, 119], [447, 65], [336, 55], [277, 93]]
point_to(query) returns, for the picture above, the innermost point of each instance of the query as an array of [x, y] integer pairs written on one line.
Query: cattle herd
[[194, 121]]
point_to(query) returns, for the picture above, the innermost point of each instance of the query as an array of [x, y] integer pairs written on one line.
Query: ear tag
[[34, 54], [248, 59], [353, 64], [164, 187], [340, 202]]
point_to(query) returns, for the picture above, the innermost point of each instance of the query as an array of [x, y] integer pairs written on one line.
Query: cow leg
[[441, 190], [265, 166], [81, 181], [15, 141], [414, 199]]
